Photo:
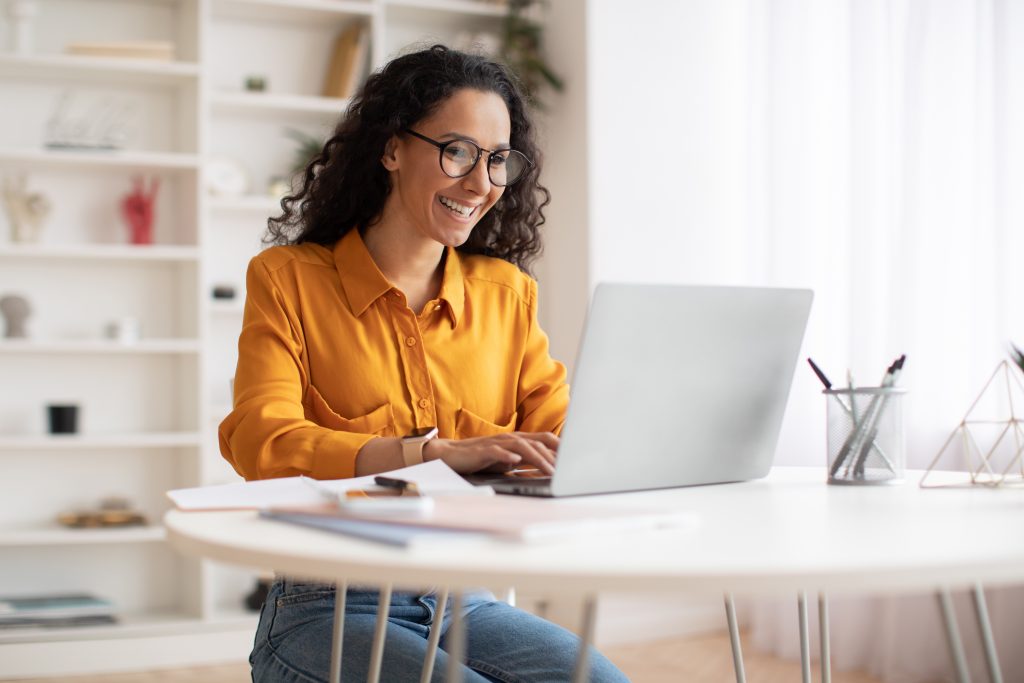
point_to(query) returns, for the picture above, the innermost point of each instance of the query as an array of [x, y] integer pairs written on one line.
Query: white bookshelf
[[151, 409], [53, 535], [79, 442], [100, 346], [99, 252]]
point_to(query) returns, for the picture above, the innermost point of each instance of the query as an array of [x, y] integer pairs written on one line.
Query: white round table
[[788, 533]]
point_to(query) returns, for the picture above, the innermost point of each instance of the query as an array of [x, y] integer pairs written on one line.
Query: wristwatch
[[413, 443]]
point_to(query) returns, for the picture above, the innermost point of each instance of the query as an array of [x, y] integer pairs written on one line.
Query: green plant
[[522, 49], [308, 147]]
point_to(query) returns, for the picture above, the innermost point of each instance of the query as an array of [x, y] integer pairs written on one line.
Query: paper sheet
[[432, 478]]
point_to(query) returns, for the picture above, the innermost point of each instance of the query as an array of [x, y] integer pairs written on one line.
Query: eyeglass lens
[[504, 168]]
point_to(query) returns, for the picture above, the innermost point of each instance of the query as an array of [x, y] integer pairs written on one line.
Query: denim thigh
[[293, 640], [512, 646]]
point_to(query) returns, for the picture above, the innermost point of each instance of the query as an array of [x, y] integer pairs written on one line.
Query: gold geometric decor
[[991, 435]]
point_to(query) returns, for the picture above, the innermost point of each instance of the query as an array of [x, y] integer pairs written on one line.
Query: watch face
[[419, 432]]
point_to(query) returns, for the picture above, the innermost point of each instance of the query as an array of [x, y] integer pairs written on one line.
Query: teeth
[[464, 211]]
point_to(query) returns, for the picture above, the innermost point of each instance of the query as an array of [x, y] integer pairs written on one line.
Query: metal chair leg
[[377, 649], [956, 646], [805, 639], [456, 641], [995, 673], [435, 636], [586, 638], [340, 592], [734, 639], [826, 655]]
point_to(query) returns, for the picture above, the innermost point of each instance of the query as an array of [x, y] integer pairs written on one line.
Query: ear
[[390, 157]]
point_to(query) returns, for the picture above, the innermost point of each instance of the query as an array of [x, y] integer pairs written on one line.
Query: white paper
[[432, 478]]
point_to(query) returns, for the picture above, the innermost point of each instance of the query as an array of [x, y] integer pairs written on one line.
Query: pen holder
[[865, 435]]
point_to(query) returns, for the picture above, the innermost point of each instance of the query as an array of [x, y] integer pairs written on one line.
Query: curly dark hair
[[345, 185]]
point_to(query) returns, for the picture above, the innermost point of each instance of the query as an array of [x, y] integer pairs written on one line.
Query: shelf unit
[[150, 410]]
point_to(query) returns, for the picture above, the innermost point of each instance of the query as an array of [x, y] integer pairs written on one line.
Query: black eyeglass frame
[[442, 146]]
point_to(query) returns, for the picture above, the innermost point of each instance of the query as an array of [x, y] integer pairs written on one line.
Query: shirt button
[[437, 307], [424, 403], [410, 341]]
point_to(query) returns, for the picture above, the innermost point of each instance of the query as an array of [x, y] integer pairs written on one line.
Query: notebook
[[675, 386]]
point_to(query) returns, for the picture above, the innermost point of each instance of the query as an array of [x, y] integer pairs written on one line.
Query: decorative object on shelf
[[63, 418], [1002, 463], [348, 61], [226, 178], [21, 13], [256, 83], [521, 48], [15, 310], [112, 512], [137, 210], [223, 291], [158, 50], [309, 146], [125, 330], [95, 121], [26, 211], [254, 600]]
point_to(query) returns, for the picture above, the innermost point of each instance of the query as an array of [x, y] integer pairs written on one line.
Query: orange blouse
[[331, 356]]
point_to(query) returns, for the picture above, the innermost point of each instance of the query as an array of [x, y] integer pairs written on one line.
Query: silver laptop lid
[[679, 385]]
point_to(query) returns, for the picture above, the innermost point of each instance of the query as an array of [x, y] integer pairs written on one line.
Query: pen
[[820, 374], [401, 485], [869, 427], [1017, 355]]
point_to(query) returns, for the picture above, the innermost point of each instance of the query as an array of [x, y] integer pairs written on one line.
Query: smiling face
[[423, 198]]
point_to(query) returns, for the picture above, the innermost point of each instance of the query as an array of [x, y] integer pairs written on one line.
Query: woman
[[394, 305]]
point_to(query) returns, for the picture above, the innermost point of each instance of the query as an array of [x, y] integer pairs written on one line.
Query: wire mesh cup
[[865, 435]]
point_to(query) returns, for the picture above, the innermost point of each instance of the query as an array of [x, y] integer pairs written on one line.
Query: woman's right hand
[[499, 453]]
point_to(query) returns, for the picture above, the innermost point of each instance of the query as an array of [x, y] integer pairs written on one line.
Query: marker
[[820, 374]]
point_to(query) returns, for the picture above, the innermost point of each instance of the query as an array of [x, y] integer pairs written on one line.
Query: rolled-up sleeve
[[268, 433], [543, 394]]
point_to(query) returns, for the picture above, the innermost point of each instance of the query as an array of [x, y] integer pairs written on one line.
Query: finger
[[547, 438], [533, 452]]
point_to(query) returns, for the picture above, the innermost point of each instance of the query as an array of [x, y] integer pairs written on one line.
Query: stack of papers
[[460, 511], [54, 611]]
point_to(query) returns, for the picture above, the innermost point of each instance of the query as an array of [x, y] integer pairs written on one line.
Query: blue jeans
[[293, 641]]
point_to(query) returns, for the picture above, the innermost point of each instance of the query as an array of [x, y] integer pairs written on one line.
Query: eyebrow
[[462, 136]]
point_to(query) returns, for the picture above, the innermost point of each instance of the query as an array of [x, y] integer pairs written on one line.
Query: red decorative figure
[[137, 209]]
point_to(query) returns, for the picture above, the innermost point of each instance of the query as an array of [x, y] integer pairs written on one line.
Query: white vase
[[21, 14]]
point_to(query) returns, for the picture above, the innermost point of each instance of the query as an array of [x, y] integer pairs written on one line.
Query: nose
[[478, 182]]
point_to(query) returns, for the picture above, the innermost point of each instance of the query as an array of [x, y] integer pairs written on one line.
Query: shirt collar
[[364, 283]]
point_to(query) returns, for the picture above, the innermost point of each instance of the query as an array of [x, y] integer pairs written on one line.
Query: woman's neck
[[408, 259]]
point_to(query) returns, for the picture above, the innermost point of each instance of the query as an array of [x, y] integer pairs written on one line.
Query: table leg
[[586, 638], [956, 646], [826, 656], [435, 636], [734, 639], [456, 641], [805, 640], [995, 673], [377, 649], [339, 630]]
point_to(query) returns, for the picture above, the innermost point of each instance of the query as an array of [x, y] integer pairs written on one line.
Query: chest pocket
[[468, 425], [379, 421]]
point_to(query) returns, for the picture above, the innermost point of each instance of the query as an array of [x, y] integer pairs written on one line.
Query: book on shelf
[[160, 50], [348, 61], [55, 610]]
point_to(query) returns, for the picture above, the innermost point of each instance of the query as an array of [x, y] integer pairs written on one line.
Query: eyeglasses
[[458, 158]]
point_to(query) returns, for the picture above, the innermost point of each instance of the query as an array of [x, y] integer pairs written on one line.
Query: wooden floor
[[699, 659]]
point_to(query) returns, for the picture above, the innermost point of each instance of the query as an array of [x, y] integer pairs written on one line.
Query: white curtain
[[886, 142], [872, 150]]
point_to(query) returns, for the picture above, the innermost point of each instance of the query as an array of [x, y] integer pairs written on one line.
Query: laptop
[[674, 386]]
